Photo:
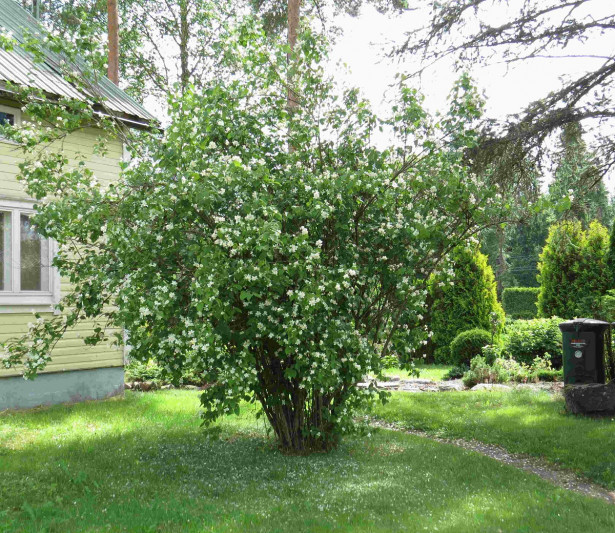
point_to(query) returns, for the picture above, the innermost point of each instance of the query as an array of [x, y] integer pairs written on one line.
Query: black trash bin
[[583, 343]]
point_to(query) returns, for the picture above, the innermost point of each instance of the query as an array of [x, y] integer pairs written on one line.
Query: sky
[[507, 89]]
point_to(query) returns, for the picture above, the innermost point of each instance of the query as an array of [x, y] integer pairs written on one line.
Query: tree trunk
[[113, 68], [300, 418], [292, 102], [502, 267], [184, 36]]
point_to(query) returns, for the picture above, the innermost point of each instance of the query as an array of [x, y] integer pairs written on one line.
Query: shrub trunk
[[300, 418]]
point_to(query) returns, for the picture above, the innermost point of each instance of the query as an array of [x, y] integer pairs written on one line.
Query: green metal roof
[[19, 67]]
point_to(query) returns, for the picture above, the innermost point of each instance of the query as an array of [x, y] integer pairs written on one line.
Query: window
[[26, 274], [9, 115], [7, 118]]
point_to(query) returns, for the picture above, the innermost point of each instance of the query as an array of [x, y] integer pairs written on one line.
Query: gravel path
[[556, 476]]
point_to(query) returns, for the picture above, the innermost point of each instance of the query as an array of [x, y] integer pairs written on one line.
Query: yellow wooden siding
[[70, 353]]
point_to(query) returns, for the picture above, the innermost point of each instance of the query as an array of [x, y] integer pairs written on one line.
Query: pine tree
[[577, 176]]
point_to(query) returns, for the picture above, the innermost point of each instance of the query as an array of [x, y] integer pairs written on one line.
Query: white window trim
[[27, 298], [13, 111]]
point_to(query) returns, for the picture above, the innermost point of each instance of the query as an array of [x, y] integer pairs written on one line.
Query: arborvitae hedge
[[463, 301], [520, 302], [573, 270]]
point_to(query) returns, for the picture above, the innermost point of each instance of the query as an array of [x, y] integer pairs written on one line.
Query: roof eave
[[131, 121]]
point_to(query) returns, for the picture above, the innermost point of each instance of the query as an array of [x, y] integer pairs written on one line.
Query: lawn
[[522, 421], [433, 372], [144, 464]]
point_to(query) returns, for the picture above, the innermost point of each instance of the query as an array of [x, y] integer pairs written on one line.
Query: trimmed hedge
[[520, 302]]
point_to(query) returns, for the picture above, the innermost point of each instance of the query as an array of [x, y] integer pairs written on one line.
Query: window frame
[[17, 297]]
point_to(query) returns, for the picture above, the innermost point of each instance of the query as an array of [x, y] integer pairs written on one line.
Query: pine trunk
[[184, 37], [292, 102], [113, 67]]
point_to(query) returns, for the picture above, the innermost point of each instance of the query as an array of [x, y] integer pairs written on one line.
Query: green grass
[[144, 465], [433, 372], [522, 421]]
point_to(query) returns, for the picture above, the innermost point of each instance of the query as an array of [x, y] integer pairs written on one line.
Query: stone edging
[[426, 385]]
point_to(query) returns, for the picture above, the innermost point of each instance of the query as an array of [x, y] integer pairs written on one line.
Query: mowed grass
[[144, 464], [432, 372], [522, 421]]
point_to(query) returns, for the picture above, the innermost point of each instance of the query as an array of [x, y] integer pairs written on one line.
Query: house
[[27, 281]]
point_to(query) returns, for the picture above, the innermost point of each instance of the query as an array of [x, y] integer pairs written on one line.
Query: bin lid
[[584, 324]]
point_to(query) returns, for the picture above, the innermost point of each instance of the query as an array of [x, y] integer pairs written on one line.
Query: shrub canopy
[[279, 250], [469, 344], [524, 340]]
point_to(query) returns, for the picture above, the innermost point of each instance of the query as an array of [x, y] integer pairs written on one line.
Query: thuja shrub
[[573, 272], [520, 302], [278, 250], [463, 297]]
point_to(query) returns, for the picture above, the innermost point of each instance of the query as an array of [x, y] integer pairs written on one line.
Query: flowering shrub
[[286, 274]]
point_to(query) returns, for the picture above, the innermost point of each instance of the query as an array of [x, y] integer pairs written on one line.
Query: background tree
[[525, 241], [274, 13], [577, 176], [175, 41], [113, 69], [162, 43], [534, 29], [610, 260], [511, 248]]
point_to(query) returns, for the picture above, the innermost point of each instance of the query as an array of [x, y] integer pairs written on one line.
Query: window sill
[[42, 299]]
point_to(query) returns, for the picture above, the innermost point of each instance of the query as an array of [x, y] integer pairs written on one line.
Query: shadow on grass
[[520, 421], [146, 465]]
